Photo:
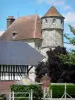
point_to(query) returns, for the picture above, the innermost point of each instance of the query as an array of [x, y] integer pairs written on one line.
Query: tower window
[[54, 21], [46, 20], [61, 21]]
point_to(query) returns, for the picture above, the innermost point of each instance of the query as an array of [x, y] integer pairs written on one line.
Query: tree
[[40, 70], [69, 59], [53, 67], [71, 39], [61, 63], [54, 64], [69, 67]]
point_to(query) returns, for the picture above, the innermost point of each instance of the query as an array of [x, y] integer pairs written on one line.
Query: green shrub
[[58, 90], [3, 97], [37, 92], [71, 90]]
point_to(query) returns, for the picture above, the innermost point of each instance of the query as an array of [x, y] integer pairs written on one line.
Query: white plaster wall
[[32, 74], [31, 42], [35, 43]]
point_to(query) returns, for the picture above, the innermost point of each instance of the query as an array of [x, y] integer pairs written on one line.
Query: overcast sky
[[18, 8]]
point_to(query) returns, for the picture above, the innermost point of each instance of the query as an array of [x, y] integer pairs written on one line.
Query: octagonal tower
[[52, 30]]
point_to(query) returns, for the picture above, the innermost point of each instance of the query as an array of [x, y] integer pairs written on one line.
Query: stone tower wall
[[52, 38], [52, 33], [53, 22]]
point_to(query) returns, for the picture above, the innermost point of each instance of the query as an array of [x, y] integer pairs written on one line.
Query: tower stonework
[[52, 30]]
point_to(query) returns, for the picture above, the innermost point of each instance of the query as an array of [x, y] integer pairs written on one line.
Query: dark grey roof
[[18, 53]]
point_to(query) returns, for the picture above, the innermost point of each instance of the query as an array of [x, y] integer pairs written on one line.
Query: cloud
[[45, 1], [59, 2], [54, 2], [70, 17], [67, 7]]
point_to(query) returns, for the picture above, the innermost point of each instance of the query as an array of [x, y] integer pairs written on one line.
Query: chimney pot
[[10, 20]]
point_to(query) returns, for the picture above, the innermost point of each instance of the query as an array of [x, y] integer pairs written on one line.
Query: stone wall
[[51, 39], [49, 23], [52, 33]]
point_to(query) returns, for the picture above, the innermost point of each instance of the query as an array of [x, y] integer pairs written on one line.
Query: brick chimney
[[10, 20]]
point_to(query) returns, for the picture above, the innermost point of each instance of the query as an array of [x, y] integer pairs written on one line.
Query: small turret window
[[46, 21], [61, 21], [54, 21]]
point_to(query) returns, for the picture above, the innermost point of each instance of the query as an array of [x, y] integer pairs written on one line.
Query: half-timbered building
[[17, 58]]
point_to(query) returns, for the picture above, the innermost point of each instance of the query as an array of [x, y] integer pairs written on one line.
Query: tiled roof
[[24, 28], [53, 12]]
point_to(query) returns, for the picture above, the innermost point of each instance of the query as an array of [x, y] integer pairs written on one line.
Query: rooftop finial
[[53, 4], [36, 11]]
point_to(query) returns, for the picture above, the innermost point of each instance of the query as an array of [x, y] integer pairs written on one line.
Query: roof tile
[[53, 12]]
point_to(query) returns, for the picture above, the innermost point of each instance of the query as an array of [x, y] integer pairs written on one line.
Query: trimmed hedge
[[58, 90], [37, 92]]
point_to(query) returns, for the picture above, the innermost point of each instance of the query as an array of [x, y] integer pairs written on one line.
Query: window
[[14, 34], [46, 20], [61, 21], [54, 21]]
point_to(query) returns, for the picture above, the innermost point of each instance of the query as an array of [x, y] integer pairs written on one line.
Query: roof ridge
[[35, 25], [28, 16]]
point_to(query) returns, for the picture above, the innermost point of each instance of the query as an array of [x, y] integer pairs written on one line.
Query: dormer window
[[54, 21], [46, 21], [14, 34]]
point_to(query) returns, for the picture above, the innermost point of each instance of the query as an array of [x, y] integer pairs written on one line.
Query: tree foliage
[[60, 65], [53, 67], [71, 39], [69, 60]]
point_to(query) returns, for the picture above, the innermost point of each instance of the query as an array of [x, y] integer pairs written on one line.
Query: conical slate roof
[[53, 12]]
